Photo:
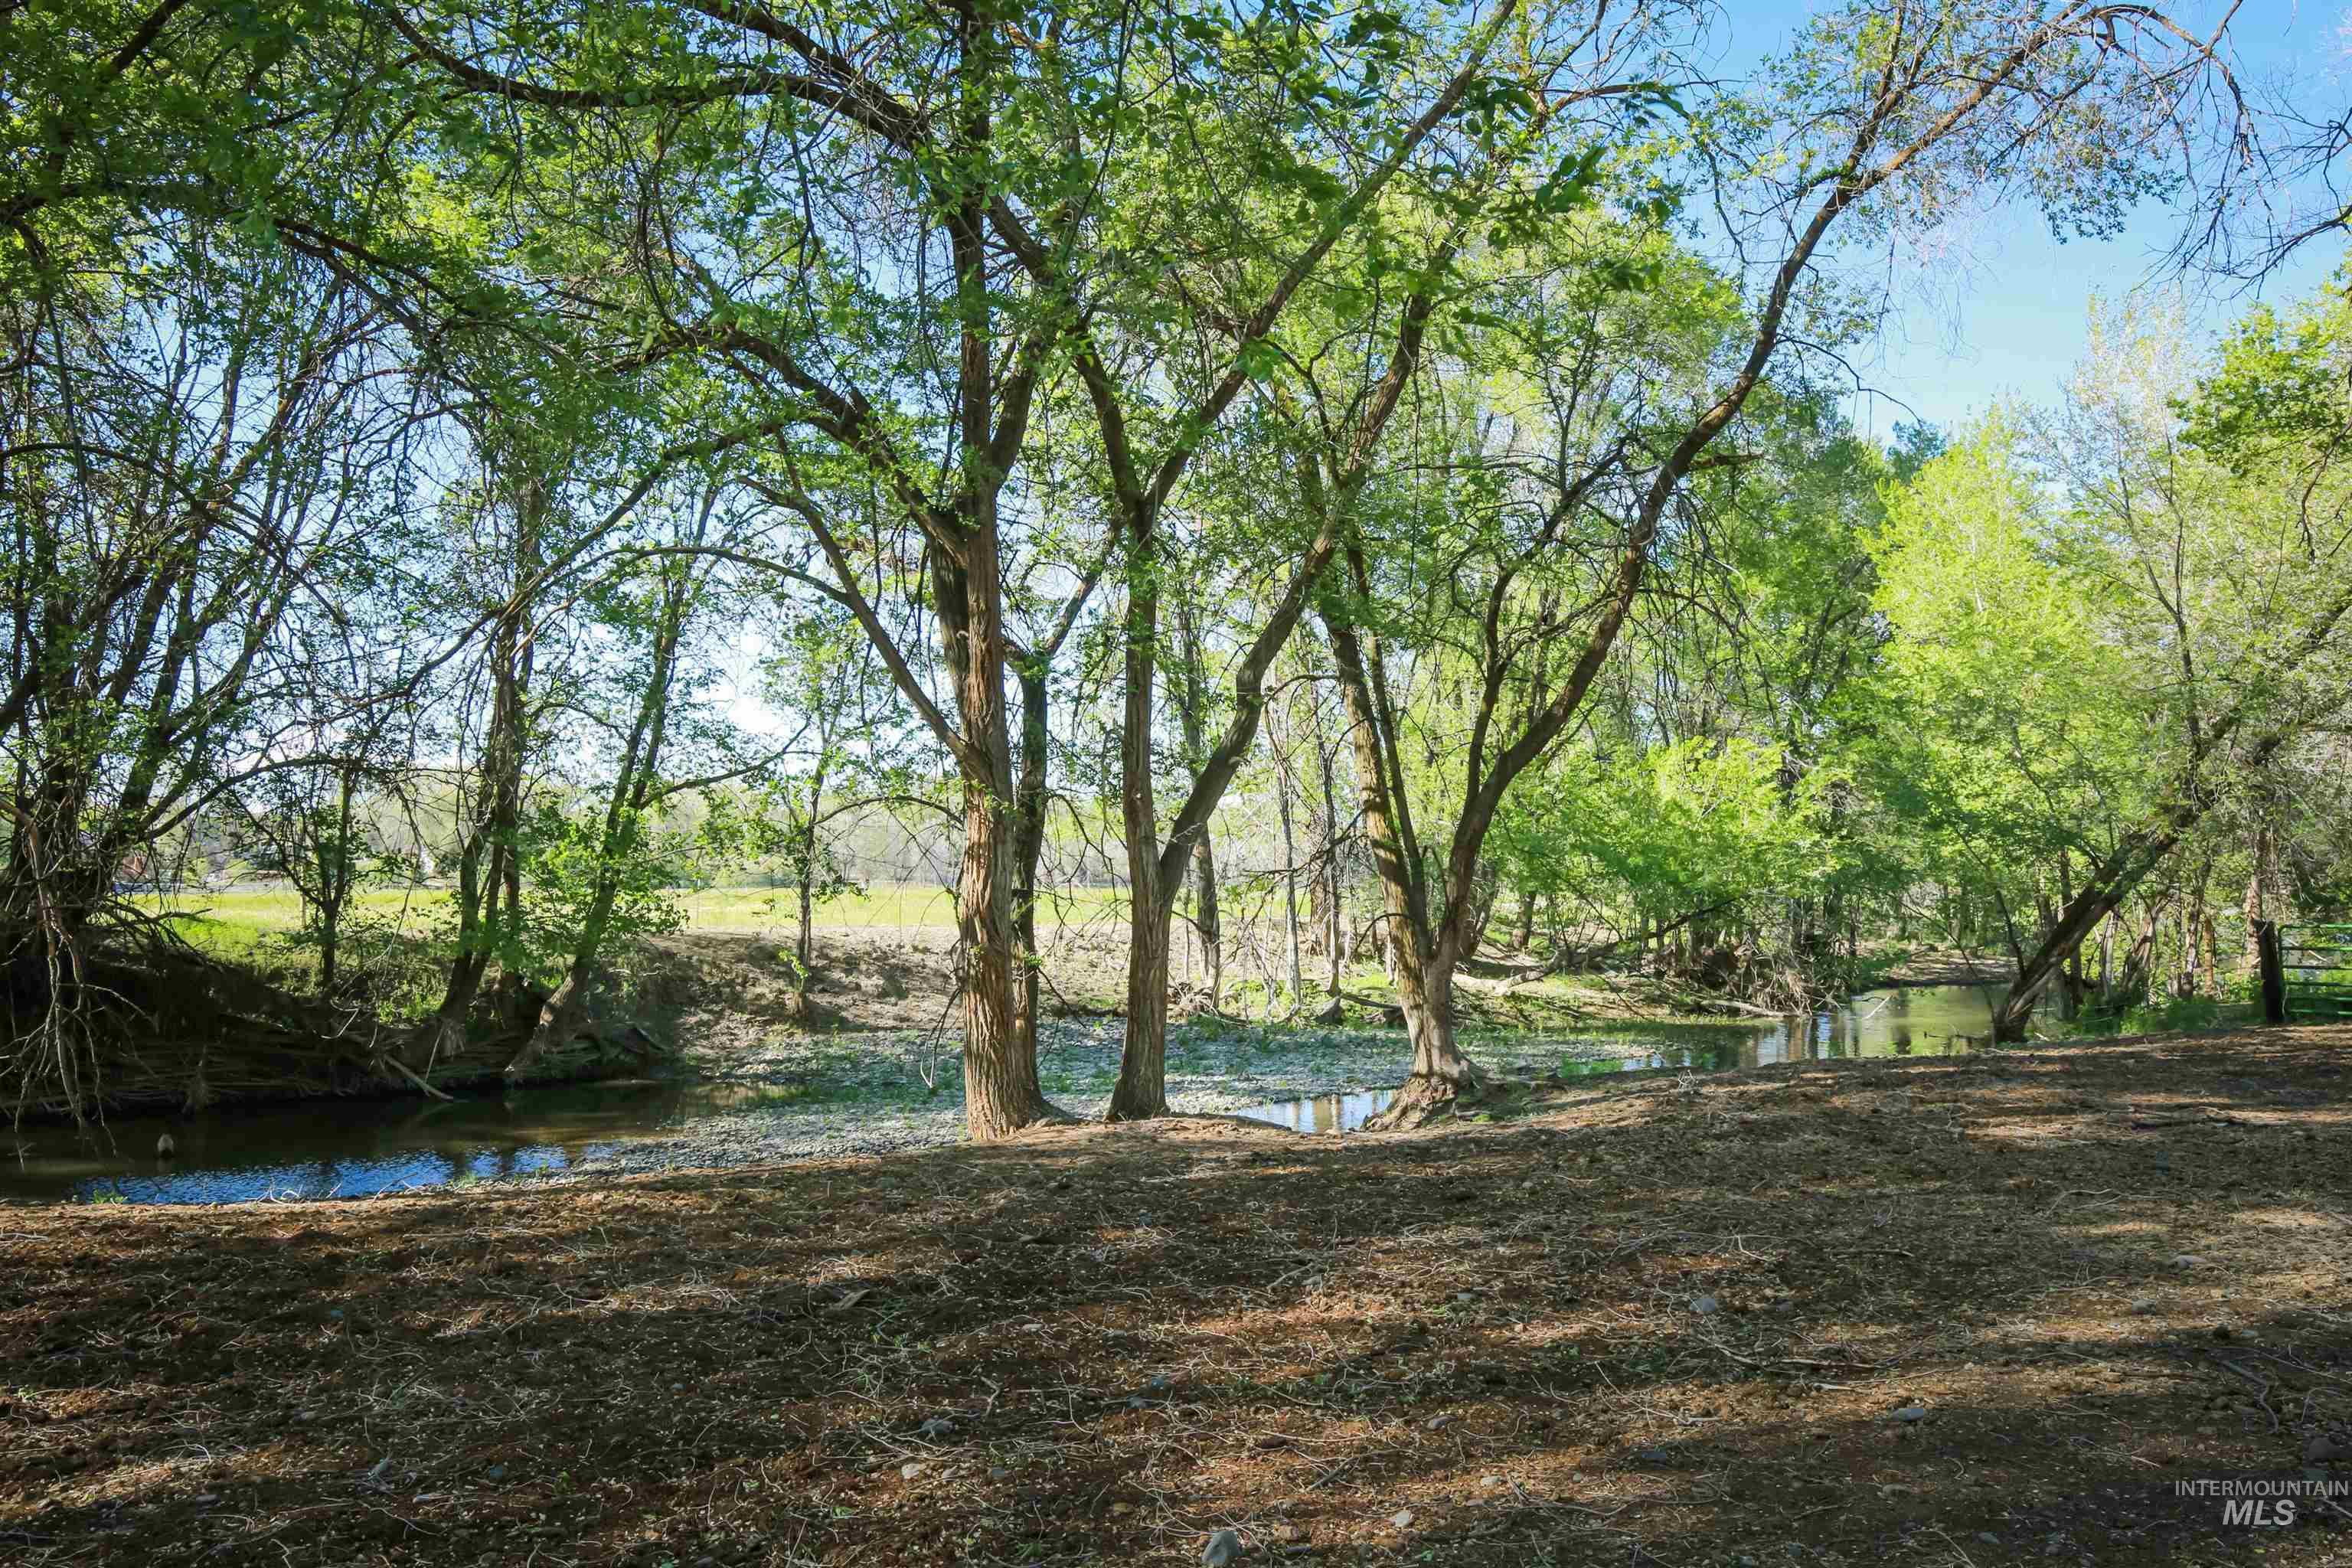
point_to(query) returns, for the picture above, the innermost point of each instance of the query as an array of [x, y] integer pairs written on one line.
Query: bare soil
[[1946, 1310], [727, 992], [732, 989]]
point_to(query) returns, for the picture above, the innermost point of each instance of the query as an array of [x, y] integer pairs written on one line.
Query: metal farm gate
[[2314, 971]]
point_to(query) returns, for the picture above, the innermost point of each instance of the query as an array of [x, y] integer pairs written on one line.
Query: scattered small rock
[[1438, 1423], [998, 1473], [1288, 1534], [2144, 1305], [1401, 1519], [911, 1469], [1490, 1480], [1912, 1412], [1654, 1456], [937, 1427], [1989, 1538], [495, 1473], [2321, 1449], [1161, 1385], [2186, 1260], [1704, 1305], [1223, 1547]]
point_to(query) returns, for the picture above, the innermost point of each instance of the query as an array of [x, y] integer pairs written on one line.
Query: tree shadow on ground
[[1977, 1308]]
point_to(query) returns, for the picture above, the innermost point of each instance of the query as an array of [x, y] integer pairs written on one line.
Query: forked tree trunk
[[485, 862], [1441, 1073], [1002, 1094], [1422, 961]]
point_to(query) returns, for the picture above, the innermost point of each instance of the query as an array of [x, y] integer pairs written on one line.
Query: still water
[[352, 1147], [1920, 1020]]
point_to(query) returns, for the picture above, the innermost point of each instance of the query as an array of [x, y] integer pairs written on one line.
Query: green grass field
[[234, 922]]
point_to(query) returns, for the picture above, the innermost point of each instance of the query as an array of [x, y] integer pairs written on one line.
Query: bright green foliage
[[565, 856], [1659, 836], [2010, 723]]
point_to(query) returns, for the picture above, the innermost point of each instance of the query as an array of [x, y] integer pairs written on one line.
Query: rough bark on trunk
[[1291, 887], [1002, 1094], [485, 868], [1029, 845], [1420, 961], [1191, 704]]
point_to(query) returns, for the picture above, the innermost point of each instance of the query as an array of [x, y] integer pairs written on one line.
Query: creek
[[353, 1148]]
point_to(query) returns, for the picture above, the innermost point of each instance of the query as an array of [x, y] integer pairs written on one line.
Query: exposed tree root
[[159, 1026], [1426, 1098]]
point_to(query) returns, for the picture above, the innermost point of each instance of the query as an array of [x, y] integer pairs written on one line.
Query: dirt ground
[[731, 989], [1951, 1310]]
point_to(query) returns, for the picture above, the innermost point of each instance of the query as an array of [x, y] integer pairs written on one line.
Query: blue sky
[[2017, 325], [2012, 321]]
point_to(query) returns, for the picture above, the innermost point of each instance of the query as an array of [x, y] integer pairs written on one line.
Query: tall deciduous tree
[[1885, 112]]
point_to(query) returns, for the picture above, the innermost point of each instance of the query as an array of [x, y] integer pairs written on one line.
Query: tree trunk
[[1289, 885], [1141, 1090], [804, 946], [1030, 835], [1191, 700], [2105, 960], [2270, 967], [2139, 962], [1207, 921], [1002, 1094], [1340, 938], [634, 792], [1420, 958], [484, 868], [2070, 980], [2139, 851]]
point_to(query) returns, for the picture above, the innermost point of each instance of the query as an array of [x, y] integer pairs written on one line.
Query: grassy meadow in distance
[[237, 920]]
